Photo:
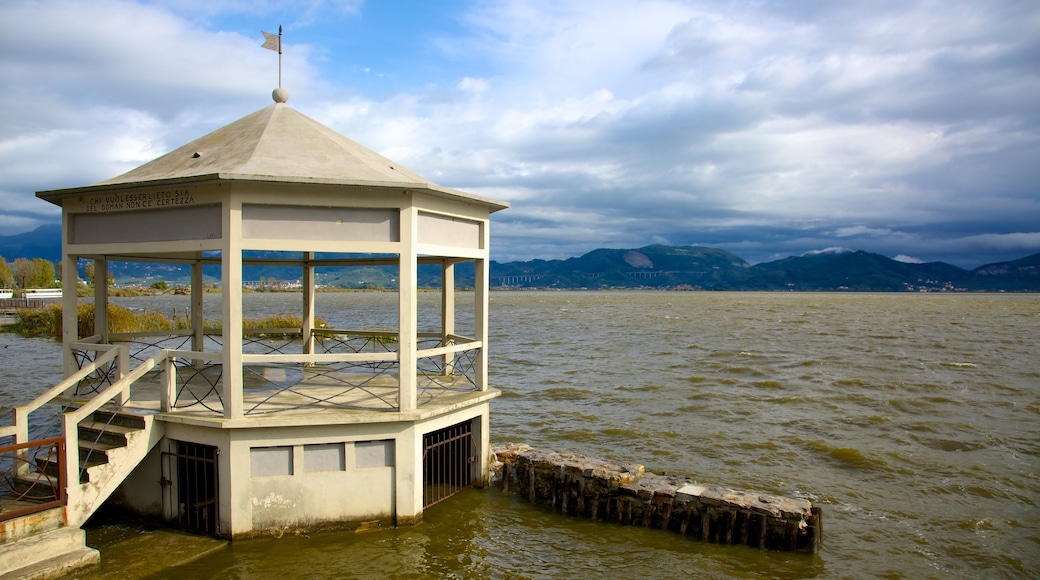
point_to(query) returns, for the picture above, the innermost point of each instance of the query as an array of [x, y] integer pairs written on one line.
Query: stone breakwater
[[629, 495]]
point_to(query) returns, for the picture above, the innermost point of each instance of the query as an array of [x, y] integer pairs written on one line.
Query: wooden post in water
[[634, 497], [815, 530], [732, 523], [530, 485]]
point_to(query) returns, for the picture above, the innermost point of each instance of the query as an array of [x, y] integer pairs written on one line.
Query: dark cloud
[[904, 127]]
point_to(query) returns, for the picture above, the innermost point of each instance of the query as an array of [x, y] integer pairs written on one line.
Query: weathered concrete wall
[[581, 486]]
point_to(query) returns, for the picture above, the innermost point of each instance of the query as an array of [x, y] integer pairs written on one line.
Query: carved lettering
[[139, 200]]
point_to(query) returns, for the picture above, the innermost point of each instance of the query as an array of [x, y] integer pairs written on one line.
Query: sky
[[909, 128]]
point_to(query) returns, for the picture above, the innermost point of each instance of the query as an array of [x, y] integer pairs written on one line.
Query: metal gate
[[448, 458], [194, 501]]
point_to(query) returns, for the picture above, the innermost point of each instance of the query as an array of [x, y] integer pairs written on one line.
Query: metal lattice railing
[[344, 377]]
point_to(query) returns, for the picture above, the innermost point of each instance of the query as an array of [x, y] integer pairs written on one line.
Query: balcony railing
[[348, 369]]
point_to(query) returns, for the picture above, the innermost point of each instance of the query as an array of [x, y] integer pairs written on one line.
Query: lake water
[[913, 420]]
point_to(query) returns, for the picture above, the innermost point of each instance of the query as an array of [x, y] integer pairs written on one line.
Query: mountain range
[[655, 266]]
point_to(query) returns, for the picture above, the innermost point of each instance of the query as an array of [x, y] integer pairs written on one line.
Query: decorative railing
[[32, 477], [352, 370], [62, 463], [349, 369]]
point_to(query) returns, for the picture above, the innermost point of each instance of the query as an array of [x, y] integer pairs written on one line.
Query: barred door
[[448, 459], [194, 502]]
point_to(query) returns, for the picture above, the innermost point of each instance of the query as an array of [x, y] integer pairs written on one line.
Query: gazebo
[[240, 432]]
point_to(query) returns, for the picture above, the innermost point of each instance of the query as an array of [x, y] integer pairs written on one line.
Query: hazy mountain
[[655, 266], [43, 242]]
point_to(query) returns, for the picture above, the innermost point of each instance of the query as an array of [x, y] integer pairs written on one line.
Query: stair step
[[47, 555], [47, 465], [112, 433], [91, 453], [36, 485], [33, 524], [125, 419]]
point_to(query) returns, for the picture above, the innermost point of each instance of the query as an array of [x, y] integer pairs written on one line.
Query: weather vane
[[272, 42]]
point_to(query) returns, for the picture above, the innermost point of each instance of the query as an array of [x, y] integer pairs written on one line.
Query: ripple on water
[[846, 456], [564, 394]]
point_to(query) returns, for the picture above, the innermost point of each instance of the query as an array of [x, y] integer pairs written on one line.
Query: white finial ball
[[280, 95]]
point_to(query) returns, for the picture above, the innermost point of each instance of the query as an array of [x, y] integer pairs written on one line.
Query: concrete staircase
[[40, 546], [50, 544]]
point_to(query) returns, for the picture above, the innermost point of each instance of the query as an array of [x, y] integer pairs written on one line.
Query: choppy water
[[914, 420]]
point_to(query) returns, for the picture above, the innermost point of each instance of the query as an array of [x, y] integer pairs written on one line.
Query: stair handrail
[[70, 420], [20, 429]]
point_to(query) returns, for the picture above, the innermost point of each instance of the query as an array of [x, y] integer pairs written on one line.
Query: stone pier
[[627, 494]]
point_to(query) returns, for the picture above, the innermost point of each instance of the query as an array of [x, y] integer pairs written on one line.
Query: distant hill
[[712, 269], [652, 267], [43, 242], [656, 266]]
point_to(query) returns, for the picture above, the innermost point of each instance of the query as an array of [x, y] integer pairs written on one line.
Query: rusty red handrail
[[21, 459]]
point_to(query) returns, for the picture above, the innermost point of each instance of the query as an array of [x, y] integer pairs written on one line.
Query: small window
[[374, 454], [324, 457], [266, 461]]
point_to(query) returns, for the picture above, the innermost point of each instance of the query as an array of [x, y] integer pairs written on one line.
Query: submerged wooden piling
[[578, 486]]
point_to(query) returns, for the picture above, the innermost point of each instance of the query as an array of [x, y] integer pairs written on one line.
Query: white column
[[483, 439], [308, 302], [101, 299], [231, 305], [480, 311], [408, 476], [198, 316], [448, 312], [408, 325], [69, 301]]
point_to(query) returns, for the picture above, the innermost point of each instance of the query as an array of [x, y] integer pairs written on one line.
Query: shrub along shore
[[48, 321]]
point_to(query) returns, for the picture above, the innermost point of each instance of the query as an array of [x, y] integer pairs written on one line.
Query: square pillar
[[481, 282], [198, 316], [231, 307], [308, 303], [69, 301], [448, 313], [100, 299], [408, 324], [408, 475]]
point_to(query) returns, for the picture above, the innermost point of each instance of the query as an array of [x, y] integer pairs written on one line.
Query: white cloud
[[905, 128], [908, 259], [472, 85], [852, 231]]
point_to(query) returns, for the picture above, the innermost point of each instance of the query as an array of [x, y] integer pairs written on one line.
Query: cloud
[[908, 259], [767, 129]]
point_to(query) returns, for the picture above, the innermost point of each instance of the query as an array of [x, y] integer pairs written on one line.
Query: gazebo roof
[[276, 144]]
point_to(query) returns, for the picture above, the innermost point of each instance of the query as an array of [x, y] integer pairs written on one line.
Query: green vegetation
[[25, 273], [48, 321], [89, 274], [6, 277], [253, 326]]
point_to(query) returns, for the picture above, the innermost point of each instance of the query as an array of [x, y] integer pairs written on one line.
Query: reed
[[48, 321]]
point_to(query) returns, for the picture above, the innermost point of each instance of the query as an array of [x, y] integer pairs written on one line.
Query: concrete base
[[52, 554], [30, 525], [152, 552]]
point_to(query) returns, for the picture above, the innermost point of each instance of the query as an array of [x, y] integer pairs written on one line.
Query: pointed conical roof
[[278, 144]]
